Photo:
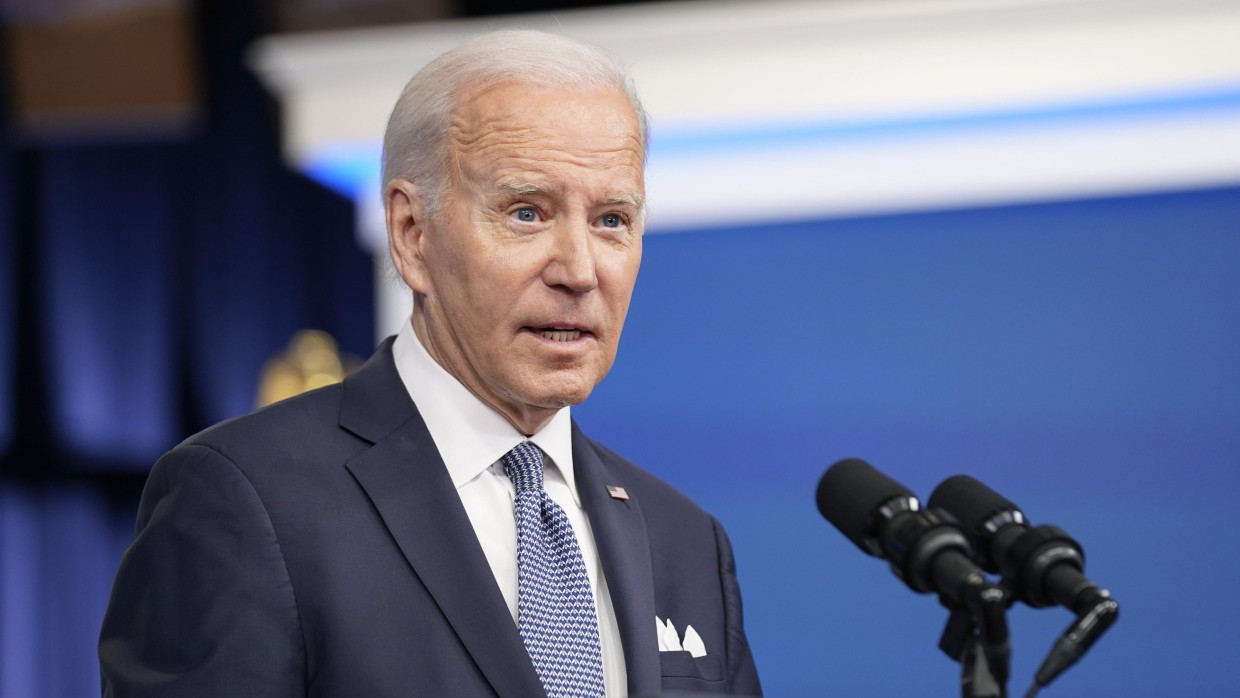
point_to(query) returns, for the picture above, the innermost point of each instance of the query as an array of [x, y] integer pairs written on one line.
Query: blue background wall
[[1078, 357]]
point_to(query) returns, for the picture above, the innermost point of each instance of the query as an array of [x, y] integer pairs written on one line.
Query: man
[[436, 525]]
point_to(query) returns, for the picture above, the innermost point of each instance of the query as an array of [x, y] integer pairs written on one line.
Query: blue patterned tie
[[555, 606]]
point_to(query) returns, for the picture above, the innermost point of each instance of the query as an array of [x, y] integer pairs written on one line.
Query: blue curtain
[[142, 286]]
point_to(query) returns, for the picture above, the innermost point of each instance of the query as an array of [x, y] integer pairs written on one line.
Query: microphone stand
[[977, 636]]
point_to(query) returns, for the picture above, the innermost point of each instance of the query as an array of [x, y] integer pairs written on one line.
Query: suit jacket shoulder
[[313, 548]]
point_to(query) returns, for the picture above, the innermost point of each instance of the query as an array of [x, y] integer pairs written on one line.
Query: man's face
[[524, 278]]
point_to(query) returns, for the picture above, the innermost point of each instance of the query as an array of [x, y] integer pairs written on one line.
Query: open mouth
[[558, 334]]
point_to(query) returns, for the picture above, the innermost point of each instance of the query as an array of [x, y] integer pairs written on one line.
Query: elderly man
[[437, 525]]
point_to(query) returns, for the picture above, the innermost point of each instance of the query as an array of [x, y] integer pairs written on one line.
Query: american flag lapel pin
[[617, 492]]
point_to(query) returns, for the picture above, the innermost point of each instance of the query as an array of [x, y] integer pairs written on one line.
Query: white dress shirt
[[472, 438]]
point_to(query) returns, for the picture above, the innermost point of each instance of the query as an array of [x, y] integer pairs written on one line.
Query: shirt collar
[[470, 435]]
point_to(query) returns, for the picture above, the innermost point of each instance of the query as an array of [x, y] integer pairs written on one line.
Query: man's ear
[[405, 214]]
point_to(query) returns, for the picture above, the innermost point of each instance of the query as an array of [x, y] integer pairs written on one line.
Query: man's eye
[[526, 215], [612, 220]]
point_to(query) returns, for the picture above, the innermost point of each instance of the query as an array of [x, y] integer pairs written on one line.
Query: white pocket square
[[670, 640]]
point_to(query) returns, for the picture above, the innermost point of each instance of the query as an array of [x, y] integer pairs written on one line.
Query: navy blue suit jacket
[[319, 548]]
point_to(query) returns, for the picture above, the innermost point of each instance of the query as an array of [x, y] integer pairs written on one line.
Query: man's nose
[[572, 264]]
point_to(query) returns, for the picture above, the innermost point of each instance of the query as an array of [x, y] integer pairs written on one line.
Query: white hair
[[416, 145]]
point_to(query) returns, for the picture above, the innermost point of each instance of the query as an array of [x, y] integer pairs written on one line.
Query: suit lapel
[[624, 549], [405, 479]]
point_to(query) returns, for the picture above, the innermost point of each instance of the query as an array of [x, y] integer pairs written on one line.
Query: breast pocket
[[684, 672]]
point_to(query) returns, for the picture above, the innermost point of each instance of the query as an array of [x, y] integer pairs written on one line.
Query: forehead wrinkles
[[514, 122], [500, 138]]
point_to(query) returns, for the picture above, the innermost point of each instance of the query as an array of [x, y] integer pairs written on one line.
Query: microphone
[[930, 553], [1043, 565], [884, 519]]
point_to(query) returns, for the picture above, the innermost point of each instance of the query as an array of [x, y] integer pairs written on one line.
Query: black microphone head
[[970, 502], [850, 494], [991, 520]]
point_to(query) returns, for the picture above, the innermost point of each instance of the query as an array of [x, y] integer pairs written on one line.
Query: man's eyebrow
[[636, 201], [519, 187]]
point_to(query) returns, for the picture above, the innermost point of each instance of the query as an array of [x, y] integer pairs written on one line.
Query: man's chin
[[559, 400], [553, 396]]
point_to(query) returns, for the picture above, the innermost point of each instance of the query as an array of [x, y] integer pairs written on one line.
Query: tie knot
[[524, 466]]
